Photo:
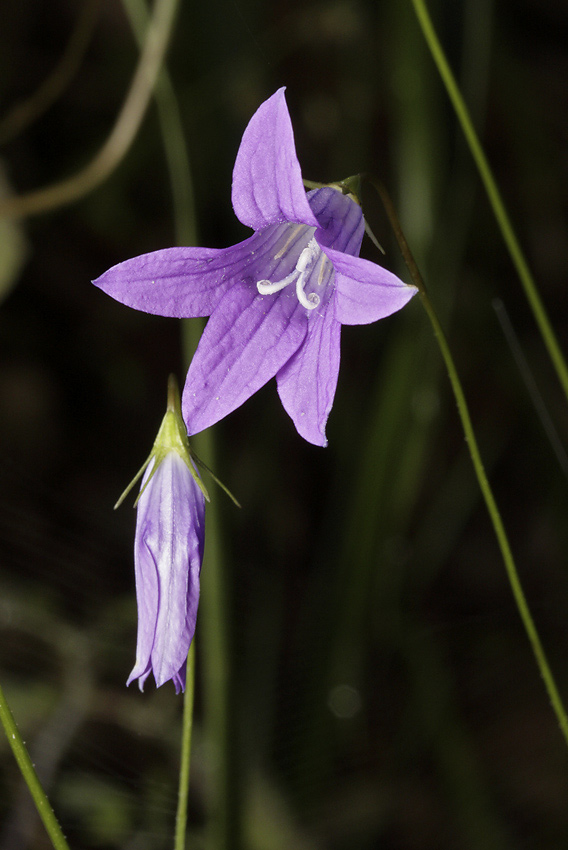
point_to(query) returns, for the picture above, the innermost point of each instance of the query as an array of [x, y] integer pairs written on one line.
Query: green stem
[[219, 719], [30, 776], [494, 195], [484, 485], [212, 614], [219, 709], [185, 756]]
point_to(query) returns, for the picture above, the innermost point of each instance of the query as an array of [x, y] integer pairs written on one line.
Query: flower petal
[[364, 291], [247, 340], [168, 556], [178, 282], [147, 591], [307, 383], [340, 220], [179, 547], [267, 180]]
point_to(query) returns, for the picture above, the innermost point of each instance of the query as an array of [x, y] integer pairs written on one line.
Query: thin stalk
[[219, 706], [29, 110], [175, 146], [219, 721], [181, 185], [495, 199], [27, 769], [185, 755], [495, 516], [122, 134]]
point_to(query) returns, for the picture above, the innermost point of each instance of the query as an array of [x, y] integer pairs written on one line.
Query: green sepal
[[136, 478], [217, 481], [171, 437], [351, 186]]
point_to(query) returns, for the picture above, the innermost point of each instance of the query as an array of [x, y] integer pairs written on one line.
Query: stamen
[[266, 287], [308, 255], [311, 301], [306, 259], [301, 273], [289, 241], [322, 269]]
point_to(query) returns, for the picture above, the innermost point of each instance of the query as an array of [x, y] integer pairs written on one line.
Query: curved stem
[[173, 140], [121, 136], [495, 516], [30, 776], [185, 755], [29, 110], [503, 220]]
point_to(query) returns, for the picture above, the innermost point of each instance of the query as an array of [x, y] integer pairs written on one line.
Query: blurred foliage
[[383, 692]]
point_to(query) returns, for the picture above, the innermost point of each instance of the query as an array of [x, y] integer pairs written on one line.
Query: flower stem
[[219, 707], [30, 776], [185, 755], [173, 140], [482, 479], [503, 220], [122, 134], [29, 110]]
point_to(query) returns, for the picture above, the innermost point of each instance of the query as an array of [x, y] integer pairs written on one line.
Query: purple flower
[[277, 300], [168, 551]]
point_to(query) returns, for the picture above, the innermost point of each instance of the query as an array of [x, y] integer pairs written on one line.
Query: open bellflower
[[168, 552], [277, 300]]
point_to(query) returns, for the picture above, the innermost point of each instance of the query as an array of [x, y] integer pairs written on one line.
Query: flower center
[[305, 267]]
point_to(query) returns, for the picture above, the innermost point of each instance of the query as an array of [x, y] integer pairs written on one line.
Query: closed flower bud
[[168, 552]]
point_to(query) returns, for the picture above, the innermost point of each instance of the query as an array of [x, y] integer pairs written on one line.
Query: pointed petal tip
[[366, 292], [314, 436], [267, 179], [178, 678], [307, 382], [141, 679], [309, 428], [179, 683]]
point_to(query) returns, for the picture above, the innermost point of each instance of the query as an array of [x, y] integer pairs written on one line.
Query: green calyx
[[172, 437], [351, 186]]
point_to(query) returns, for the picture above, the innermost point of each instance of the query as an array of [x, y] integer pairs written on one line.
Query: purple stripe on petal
[[247, 340], [307, 382], [365, 292], [168, 556], [340, 220], [267, 180], [147, 593], [177, 282]]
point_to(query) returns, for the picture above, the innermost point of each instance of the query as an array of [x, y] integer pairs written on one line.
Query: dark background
[[383, 693]]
